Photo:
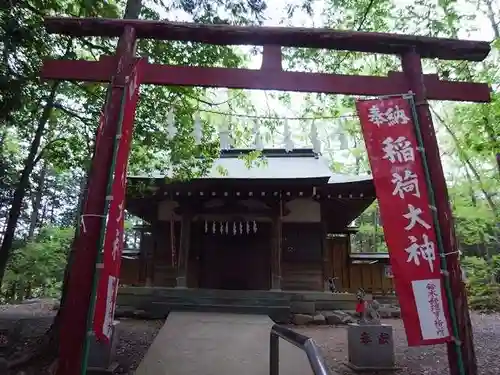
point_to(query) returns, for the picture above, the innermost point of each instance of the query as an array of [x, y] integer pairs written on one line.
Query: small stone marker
[[102, 355], [370, 347]]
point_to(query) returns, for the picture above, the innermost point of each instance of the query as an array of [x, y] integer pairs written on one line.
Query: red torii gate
[[271, 76]]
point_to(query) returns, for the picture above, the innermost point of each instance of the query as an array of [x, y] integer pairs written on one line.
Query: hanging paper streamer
[[344, 144], [342, 135], [224, 137], [238, 227], [258, 138], [171, 128], [197, 128], [313, 135], [288, 143]]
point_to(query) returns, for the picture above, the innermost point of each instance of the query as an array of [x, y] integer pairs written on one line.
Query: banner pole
[[412, 67], [442, 253], [97, 274]]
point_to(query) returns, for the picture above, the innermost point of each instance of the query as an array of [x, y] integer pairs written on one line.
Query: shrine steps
[[159, 302]]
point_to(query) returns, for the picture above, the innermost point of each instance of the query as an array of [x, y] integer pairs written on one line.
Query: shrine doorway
[[235, 255]]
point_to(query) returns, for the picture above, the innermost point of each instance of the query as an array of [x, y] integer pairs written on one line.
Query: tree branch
[[71, 113], [46, 147], [89, 44], [465, 158]]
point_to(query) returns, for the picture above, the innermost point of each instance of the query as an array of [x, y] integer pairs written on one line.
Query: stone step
[[160, 292], [227, 300], [280, 314], [144, 301]]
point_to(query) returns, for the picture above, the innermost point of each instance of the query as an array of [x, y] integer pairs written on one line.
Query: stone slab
[[370, 369], [303, 307], [216, 343], [302, 319], [370, 347]]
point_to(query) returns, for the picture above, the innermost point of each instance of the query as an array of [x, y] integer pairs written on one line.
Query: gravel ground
[[137, 335], [135, 338], [425, 360]]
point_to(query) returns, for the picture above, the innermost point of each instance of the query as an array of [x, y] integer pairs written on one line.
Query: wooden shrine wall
[[231, 255], [153, 267], [301, 260], [351, 277], [129, 272]]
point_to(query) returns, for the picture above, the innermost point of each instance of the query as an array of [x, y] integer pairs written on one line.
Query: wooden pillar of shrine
[[185, 244], [326, 252], [146, 258], [276, 248]]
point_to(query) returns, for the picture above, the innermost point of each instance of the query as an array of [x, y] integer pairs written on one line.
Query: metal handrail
[[300, 341]]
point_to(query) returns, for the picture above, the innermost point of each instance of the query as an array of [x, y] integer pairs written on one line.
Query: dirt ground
[[137, 335]]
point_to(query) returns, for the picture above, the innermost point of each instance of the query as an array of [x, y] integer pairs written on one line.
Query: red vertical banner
[[113, 239], [402, 192]]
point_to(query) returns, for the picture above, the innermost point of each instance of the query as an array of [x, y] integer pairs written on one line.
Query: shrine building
[[279, 226]]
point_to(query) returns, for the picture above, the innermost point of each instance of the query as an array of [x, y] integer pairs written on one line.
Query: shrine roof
[[277, 165]]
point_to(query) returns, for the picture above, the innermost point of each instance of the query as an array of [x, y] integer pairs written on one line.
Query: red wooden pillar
[[412, 67], [74, 314]]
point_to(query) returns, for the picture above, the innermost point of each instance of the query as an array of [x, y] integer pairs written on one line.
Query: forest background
[[47, 129]]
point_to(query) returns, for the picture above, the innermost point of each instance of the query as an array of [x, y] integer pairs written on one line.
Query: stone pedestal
[[371, 347], [102, 355]]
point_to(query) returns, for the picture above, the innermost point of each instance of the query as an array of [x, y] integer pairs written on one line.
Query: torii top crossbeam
[[271, 76], [426, 47]]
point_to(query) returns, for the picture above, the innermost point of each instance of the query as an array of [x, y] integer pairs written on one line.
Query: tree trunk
[[37, 201], [49, 344], [81, 197], [22, 186], [491, 17], [473, 199]]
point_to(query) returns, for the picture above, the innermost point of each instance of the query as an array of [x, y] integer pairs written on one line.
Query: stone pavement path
[[216, 344]]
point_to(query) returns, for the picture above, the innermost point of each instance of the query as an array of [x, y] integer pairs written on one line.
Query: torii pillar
[[270, 77]]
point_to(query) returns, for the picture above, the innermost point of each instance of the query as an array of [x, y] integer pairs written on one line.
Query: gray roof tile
[[298, 164]]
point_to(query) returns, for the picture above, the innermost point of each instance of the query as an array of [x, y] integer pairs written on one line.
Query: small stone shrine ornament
[[367, 311], [370, 344]]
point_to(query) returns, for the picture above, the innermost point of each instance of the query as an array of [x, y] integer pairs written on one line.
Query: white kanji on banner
[[406, 183], [110, 307], [413, 216], [425, 250], [391, 116], [398, 150], [430, 309]]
